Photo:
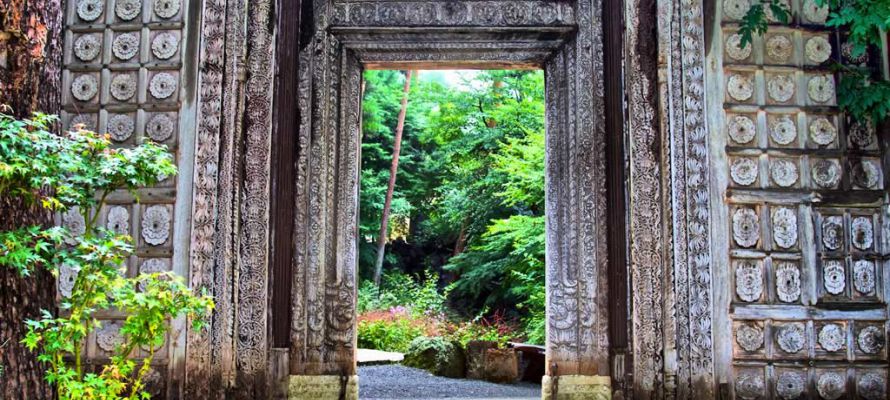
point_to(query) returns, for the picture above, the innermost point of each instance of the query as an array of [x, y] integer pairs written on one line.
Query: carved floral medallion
[[866, 174], [848, 51], [780, 48], [153, 266], [748, 280], [770, 16], [166, 9], [121, 127], [740, 87], [826, 173], [67, 277], [118, 220], [741, 129], [814, 13], [109, 336], [74, 222], [870, 340], [861, 134], [87, 47], [743, 171], [749, 337], [818, 49], [123, 87], [783, 172], [745, 227], [783, 130], [831, 385], [125, 46], [821, 88], [788, 282], [156, 222], [749, 385], [831, 337], [785, 227], [833, 276], [864, 278], [833, 232], [162, 85], [84, 87], [734, 48], [780, 88], [736, 9], [127, 10], [862, 233], [822, 131], [90, 10], [790, 385], [791, 337], [160, 127], [872, 386], [164, 45]]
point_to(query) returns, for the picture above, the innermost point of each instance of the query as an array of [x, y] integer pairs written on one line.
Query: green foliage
[[389, 330], [437, 355], [401, 290], [77, 171], [861, 93]]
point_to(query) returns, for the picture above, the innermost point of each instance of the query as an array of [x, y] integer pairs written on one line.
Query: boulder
[[501, 365], [436, 355], [476, 357]]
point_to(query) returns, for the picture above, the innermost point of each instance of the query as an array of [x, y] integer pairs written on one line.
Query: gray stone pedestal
[[576, 387], [323, 387]]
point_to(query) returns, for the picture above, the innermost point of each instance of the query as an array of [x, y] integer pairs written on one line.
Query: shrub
[[393, 329], [76, 172], [420, 297], [438, 355]]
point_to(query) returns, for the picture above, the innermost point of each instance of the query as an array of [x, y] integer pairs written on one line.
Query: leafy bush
[[393, 330], [76, 172], [438, 355], [401, 290], [494, 328]]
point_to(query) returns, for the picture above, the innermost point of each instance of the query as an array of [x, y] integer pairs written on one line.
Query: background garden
[[464, 255]]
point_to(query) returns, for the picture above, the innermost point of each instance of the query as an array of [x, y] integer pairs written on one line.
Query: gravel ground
[[385, 382]]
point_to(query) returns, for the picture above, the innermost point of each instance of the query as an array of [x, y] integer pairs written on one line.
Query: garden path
[[397, 382]]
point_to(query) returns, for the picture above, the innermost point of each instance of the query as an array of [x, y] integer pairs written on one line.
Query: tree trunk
[[30, 72], [397, 146]]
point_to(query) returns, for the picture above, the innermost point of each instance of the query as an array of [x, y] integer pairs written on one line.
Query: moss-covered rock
[[436, 355]]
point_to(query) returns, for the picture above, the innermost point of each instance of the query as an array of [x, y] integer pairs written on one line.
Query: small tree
[[76, 172]]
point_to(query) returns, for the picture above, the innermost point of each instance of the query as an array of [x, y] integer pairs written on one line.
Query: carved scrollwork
[[734, 48], [780, 48], [783, 130], [821, 88], [831, 337], [740, 87], [862, 233], [118, 220], [125, 46], [791, 338], [866, 174], [822, 131], [166, 9], [127, 10], [90, 10], [743, 171], [870, 340], [87, 47], [780, 88], [785, 227], [864, 278], [123, 87], [487, 13], [84, 87], [165, 45], [833, 232], [814, 13], [746, 227], [748, 280], [826, 173], [741, 129], [749, 337], [788, 282], [736, 9], [109, 336], [121, 127], [790, 385], [831, 385], [872, 386], [156, 225], [818, 49], [162, 85], [833, 276], [783, 172], [749, 385]]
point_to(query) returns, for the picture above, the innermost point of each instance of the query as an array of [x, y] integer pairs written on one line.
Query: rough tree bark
[[30, 65], [397, 146]]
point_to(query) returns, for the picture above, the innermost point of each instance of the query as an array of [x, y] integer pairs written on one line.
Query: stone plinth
[[323, 387], [576, 387]]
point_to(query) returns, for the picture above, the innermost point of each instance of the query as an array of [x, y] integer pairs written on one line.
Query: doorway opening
[[451, 293]]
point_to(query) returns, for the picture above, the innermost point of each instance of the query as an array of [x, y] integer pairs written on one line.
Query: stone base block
[[323, 387], [576, 387]]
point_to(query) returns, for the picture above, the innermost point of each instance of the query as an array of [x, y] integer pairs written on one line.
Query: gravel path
[[390, 382]]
